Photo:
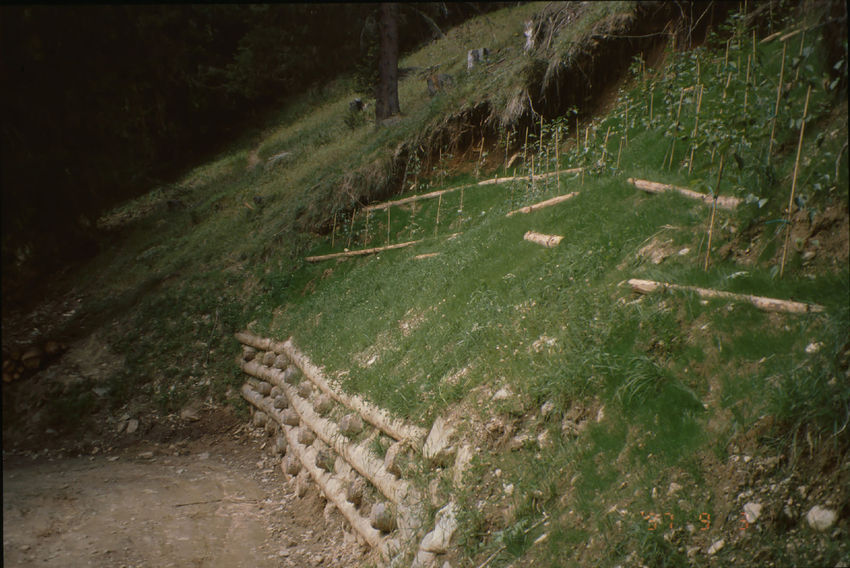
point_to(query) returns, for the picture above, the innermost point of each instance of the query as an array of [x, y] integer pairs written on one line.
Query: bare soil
[[214, 500]]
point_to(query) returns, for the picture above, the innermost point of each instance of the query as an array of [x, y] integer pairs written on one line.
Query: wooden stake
[[366, 238], [525, 146], [794, 183], [696, 125], [713, 211], [726, 57], [586, 136], [541, 136], [507, 145], [776, 108], [460, 209], [620, 151], [351, 228], [678, 115], [605, 144], [802, 43], [747, 83], [651, 96], [360, 252], [557, 163], [388, 225], [626, 134], [578, 143], [333, 232], [437, 225]]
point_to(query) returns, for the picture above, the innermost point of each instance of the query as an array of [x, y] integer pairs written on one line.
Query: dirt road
[[196, 504]]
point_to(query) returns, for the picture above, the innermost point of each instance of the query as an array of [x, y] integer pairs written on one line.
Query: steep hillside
[[595, 422]]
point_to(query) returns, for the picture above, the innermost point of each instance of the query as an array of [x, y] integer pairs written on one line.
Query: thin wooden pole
[[605, 144], [802, 43], [437, 225], [620, 151], [678, 115], [351, 228], [696, 126], [557, 162], [726, 57], [525, 146], [626, 134], [507, 146], [540, 150], [747, 83], [651, 97], [713, 211], [388, 225], [794, 183], [366, 238], [776, 108], [578, 142], [333, 232]]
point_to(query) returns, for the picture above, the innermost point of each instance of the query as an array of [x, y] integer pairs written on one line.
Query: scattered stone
[[275, 392], [503, 393], [306, 436], [391, 461], [271, 428], [290, 417], [547, 408], [436, 494], [462, 461], [281, 402], [814, 347], [382, 517], [146, 455], [302, 484], [424, 559], [132, 426], [263, 388], [290, 465], [809, 255], [674, 487], [544, 440], [351, 424], [305, 389], [280, 444], [260, 418], [438, 448], [517, 442], [204, 456], [354, 491], [752, 511], [248, 353], [268, 358], [323, 404], [715, 547], [437, 541], [290, 375], [281, 362], [600, 415], [820, 519], [190, 412], [325, 459]]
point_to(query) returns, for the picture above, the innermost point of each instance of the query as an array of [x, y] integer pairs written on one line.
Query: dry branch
[[761, 302], [541, 239], [723, 202], [542, 204], [361, 251]]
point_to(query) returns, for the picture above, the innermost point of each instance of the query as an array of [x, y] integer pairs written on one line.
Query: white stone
[[437, 541], [674, 487], [752, 511], [424, 559], [547, 408], [438, 447], [462, 461], [813, 347], [820, 518], [503, 393], [716, 546], [600, 416], [132, 426]]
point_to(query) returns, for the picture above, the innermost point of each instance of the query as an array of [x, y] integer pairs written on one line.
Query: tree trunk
[[386, 104]]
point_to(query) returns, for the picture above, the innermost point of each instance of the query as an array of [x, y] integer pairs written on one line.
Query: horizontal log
[[332, 487], [357, 456], [426, 255], [761, 302], [541, 239], [378, 417], [361, 251], [543, 204], [724, 202]]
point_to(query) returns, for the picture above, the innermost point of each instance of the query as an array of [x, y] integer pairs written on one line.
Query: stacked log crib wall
[[329, 434]]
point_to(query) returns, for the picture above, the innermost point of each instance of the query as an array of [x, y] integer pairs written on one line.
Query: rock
[[260, 418], [517, 442], [323, 404], [752, 511], [281, 402], [820, 519], [146, 455], [544, 440], [354, 491], [281, 362], [715, 547], [271, 428], [290, 465], [302, 484], [132, 426], [275, 392], [382, 517], [437, 541], [305, 389], [248, 353], [438, 447], [503, 393], [263, 388], [280, 444], [435, 493], [269, 358], [547, 408], [290, 375], [190, 412], [813, 347], [306, 436], [600, 415], [674, 487], [462, 461], [424, 559], [351, 424], [391, 461], [290, 417], [809, 255], [325, 459]]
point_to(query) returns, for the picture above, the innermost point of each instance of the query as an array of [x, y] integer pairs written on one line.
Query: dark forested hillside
[[102, 102]]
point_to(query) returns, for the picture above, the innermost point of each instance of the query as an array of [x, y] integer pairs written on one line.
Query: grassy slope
[[662, 388]]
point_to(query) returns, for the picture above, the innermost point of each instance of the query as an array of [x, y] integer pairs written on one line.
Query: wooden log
[[724, 202], [331, 486], [761, 302], [426, 255], [378, 417], [541, 239], [361, 251], [543, 204]]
